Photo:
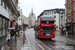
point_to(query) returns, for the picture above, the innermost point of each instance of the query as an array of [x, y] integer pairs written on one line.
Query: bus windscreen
[[47, 22]]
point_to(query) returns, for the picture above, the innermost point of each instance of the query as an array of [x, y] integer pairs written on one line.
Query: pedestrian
[[12, 35], [8, 36]]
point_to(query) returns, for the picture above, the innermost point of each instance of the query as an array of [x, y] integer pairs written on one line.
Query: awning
[[13, 20], [19, 25]]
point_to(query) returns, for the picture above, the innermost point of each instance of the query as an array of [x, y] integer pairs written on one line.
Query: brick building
[[70, 15]]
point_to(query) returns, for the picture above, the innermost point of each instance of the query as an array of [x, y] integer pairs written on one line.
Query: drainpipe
[[59, 21]]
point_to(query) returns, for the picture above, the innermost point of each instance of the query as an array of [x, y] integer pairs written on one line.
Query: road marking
[[45, 45], [32, 43], [40, 46]]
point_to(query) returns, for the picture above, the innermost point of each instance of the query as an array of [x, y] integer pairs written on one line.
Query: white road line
[[32, 44], [40, 46], [28, 43], [45, 45]]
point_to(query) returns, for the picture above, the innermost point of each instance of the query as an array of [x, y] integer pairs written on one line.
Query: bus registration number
[[47, 34]]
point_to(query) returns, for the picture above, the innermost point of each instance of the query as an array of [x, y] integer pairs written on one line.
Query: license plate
[[48, 34]]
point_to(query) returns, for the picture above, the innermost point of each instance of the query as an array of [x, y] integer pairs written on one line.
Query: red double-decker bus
[[45, 27]]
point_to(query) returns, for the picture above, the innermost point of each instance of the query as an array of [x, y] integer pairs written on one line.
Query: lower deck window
[[3, 26]]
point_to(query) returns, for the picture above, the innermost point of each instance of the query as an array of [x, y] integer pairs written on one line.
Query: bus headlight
[[41, 29]]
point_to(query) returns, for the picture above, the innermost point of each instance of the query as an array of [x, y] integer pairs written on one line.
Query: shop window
[[0, 28], [74, 29], [3, 27], [0, 1], [6, 26], [0, 18]]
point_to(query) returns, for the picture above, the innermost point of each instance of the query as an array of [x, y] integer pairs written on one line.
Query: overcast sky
[[39, 5]]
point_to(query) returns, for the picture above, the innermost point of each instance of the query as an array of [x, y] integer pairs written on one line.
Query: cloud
[[39, 5]]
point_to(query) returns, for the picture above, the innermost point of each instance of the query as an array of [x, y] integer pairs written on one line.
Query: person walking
[[12, 35], [8, 36]]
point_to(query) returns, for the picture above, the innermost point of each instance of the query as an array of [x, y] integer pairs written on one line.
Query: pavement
[[20, 44]]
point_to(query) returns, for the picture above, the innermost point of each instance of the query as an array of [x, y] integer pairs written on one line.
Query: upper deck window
[[47, 22]]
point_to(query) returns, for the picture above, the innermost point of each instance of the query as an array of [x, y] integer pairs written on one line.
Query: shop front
[[70, 29], [74, 29], [4, 24]]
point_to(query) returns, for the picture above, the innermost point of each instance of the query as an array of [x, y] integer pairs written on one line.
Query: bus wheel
[[39, 37], [35, 35]]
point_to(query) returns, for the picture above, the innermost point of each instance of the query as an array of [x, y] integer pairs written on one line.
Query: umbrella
[[11, 28]]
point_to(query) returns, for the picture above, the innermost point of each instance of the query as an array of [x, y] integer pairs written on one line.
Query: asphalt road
[[57, 43]]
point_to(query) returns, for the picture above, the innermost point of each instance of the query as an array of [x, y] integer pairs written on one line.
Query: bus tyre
[[50, 38], [39, 37], [35, 36]]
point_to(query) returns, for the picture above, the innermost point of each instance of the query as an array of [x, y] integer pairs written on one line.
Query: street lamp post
[[23, 32], [23, 25], [59, 21]]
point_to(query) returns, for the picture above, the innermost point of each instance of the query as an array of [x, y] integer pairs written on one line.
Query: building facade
[[20, 17], [32, 18], [8, 17], [25, 20], [70, 15], [57, 14]]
